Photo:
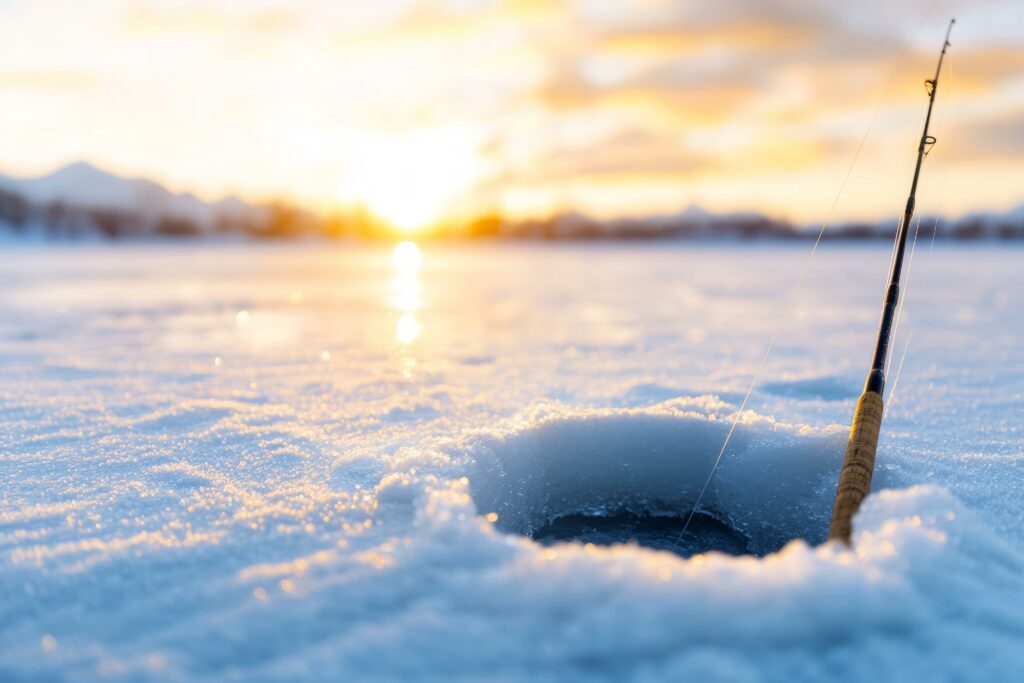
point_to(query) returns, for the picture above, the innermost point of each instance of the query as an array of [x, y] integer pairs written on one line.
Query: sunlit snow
[[309, 462]]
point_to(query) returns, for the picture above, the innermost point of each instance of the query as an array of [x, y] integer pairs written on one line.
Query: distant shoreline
[[81, 201]]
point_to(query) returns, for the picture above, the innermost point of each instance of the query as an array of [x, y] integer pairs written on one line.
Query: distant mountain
[[84, 186], [691, 223], [1008, 225]]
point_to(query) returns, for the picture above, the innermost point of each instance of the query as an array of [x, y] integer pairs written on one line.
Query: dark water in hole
[[704, 534]]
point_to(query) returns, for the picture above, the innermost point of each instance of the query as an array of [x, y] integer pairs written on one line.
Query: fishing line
[[899, 319], [935, 228], [910, 333], [953, 138], [910, 270], [791, 299]]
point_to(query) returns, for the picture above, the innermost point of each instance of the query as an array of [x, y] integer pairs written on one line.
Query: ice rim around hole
[[774, 484]]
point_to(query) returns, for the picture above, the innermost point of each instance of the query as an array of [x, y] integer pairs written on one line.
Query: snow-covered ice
[[308, 462]]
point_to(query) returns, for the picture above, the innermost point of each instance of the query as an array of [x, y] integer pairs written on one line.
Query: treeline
[[746, 227], [275, 220], [283, 220]]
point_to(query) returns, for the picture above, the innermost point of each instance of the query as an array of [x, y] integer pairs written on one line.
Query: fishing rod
[[859, 462]]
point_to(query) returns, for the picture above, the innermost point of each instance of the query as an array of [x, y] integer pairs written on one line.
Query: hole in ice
[[704, 534], [616, 475]]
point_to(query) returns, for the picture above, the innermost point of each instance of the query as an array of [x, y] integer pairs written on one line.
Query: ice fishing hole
[[633, 475]]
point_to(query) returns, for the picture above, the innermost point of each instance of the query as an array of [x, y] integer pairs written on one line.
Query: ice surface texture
[[299, 493]]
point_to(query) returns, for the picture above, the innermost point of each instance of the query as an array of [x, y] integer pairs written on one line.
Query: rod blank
[[859, 461]]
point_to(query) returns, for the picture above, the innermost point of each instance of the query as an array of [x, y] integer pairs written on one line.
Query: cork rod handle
[[859, 463]]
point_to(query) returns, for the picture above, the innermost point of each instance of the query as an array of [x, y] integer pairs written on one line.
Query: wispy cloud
[[610, 106]]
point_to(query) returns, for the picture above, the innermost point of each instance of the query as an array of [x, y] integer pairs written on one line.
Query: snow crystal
[[187, 496]]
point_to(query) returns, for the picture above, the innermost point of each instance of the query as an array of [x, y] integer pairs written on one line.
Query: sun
[[411, 179]]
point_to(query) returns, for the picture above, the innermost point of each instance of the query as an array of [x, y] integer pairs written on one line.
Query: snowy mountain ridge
[[81, 199], [83, 185]]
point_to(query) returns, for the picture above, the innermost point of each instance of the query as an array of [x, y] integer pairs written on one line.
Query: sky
[[429, 110]]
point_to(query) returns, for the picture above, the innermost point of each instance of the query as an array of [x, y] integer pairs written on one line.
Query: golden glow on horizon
[[410, 179], [422, 112]]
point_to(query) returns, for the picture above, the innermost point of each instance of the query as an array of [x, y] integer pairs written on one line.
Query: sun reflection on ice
[[405, 301], [407, 329], [406, 257], [405, 291]]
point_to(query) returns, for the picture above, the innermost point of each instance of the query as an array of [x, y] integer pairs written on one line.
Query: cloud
[[999, 136], [728, 97], [677, 91], [632, 152], [48, 79], [192, 18]]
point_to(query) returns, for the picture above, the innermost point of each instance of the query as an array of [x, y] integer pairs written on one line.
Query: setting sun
[[411, 179]]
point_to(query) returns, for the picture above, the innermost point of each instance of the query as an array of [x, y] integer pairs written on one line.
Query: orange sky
[[422, 110]]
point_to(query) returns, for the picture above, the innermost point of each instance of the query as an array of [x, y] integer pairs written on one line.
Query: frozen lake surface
[[318, 462]]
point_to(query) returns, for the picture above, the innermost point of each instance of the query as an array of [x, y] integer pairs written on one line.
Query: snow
[[655, 460], [334, 485]]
